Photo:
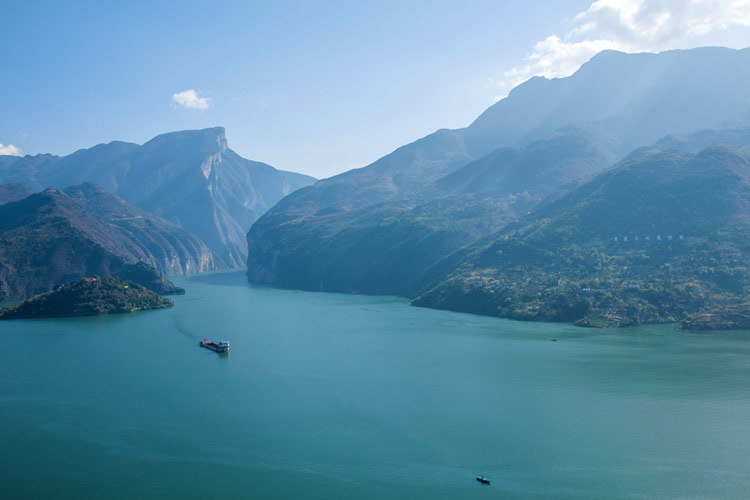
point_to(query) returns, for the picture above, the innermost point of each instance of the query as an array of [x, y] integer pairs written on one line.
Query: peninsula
[[88, 297]]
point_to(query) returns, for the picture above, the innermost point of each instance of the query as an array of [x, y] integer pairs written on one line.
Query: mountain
[[541, 167], [734, 135], [13, 192], [144, 237], [736, 317], [383, 248], [191, 178], [88, 297], [654, 239], [378, 228], [48, 239], [637, 98]]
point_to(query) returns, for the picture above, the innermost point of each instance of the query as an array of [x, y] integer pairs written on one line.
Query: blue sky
[[315, 87]]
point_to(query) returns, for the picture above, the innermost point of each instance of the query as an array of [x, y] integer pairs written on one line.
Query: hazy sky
[[316, 87]]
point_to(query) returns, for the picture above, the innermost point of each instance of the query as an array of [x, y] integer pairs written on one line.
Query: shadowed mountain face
[[190, 178], [540, 168], [655, 239], [13, 192], [384, 247], [636, 98], [52, 238], [143, 236], [376, 229], [738, 134]]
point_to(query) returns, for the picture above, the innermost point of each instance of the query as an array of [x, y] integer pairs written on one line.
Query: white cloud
[[10, 149], [189, 99], [633, 26]]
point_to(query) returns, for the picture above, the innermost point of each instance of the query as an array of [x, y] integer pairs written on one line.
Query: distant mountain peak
[[52, 192], [213, 138], [373, 229], [189, 177], [649, 94]]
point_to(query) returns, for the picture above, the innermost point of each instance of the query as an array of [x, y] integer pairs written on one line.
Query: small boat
[[483, 480], [553, 339], [221, 346]]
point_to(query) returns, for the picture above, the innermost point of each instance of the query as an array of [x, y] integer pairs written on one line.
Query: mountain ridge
[[613, 102], [653, 239], [190, 178], [47, 239]]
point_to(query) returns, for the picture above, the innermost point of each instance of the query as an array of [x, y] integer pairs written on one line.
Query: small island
[[88, 297]]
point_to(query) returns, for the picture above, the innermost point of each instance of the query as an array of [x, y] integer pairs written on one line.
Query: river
[[328, 396]]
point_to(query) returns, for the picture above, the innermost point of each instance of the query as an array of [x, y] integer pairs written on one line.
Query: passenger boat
[[221, 346], [483, 480]]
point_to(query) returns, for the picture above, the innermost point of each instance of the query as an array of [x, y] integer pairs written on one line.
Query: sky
[[314, 87]]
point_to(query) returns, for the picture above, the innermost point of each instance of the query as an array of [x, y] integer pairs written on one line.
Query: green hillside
[[48, 239], [88, 297], [656, 239], [378, 229], [324, 238]]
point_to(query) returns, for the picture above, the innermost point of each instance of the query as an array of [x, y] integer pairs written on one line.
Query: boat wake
[[183, 329]]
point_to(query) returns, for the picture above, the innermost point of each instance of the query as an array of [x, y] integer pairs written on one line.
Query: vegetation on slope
[[378, 229], [656, 239], [13, 192], [328, 238], [88, 297], [735, 317], [47, 239]]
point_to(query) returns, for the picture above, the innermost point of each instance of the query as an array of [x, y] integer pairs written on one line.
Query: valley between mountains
[[617, 196], [613, 197], [179, 204]]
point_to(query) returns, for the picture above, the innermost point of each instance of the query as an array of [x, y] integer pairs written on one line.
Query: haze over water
[[343, 396]]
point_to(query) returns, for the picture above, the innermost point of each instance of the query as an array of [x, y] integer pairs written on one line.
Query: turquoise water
[[330, 396]]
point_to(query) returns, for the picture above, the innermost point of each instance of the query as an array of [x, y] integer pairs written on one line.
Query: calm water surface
[[330, 396]]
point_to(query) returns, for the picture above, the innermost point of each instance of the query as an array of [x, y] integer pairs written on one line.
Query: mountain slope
[[88, 297], [541, 167], [13, 192], [383, 248], [638, 97], [190, 178], [654, 239], [47, 239], [143, 236], [424, 200], [738, 136]]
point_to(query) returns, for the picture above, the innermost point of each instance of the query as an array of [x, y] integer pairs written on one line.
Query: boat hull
[[213, 346]]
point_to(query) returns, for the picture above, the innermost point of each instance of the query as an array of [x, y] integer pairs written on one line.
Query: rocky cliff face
[[144, 237], [48, 239], [190, 178]]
